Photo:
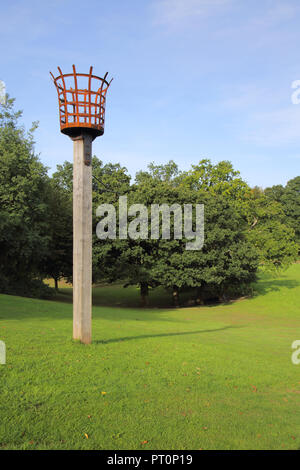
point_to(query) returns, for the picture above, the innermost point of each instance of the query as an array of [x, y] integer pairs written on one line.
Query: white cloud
[[277, 14], [262, 26], [176, 12]]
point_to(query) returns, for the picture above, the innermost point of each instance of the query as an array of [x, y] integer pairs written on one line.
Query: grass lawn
[[217, 377]]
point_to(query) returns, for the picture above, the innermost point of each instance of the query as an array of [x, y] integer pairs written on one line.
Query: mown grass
[[217, 377]]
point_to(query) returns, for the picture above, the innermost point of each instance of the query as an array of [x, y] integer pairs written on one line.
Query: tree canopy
[[244, 227], [24, 236]]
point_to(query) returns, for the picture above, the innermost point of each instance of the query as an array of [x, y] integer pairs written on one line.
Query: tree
[[108, 181], [63, 178], [124, 260], [275, 192], [275, 245], [269, 232], [289, 198], [217, 179], [227, 262], [59, 259], [23, 206], [242, 227]]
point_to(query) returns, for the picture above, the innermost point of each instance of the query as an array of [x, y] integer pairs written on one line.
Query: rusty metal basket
[[81, 99]]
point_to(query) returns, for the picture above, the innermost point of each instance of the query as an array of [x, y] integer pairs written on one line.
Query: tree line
[[246, 228]]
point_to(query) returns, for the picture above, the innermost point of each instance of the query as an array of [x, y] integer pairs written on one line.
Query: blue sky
[[192, 79]]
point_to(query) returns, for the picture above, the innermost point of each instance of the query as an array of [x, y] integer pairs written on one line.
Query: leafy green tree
[[289, 198], [275, 192], [242, 227], [125, 260], [227, 261], [275, 244], [63, 178], [109, 180], [23, 206], [167, 173], [220, 178], [269, 230], [59, 259]]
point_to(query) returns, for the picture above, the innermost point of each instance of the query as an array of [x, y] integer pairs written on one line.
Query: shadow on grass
[[160, 335], [264, 286], [113, 295], [118, 297], [261, 288]]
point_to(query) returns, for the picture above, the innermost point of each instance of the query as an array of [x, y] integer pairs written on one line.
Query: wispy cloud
[[277, 13], [174, 13], [262, 26]]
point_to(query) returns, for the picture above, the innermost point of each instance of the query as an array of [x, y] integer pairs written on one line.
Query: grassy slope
[[195, 378]]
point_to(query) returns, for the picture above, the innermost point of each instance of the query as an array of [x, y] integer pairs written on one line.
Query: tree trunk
[[144, 293], [56, 284], [199, 300], [175, 296], [222, 297]]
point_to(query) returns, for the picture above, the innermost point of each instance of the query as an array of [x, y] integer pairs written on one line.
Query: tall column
[[82, 239]]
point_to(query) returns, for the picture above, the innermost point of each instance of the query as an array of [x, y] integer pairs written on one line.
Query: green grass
[[217, 377]]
